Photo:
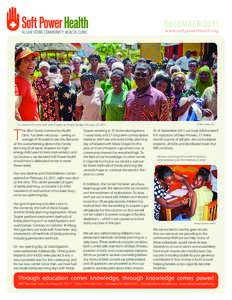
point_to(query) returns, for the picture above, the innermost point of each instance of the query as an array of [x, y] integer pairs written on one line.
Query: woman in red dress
[[26, 106]]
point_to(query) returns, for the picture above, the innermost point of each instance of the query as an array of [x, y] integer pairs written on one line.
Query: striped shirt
[[149, 106], [159, 192]]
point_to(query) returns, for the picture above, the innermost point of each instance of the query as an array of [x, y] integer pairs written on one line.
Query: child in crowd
[[53, 77]]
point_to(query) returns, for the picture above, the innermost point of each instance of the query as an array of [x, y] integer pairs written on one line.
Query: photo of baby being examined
[[185, 193]]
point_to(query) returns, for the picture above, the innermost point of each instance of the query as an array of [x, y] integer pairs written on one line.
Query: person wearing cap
[[173, 69], [66, 94], [120, 66], [89, 100], [109, 61], [145, 103], [45, 93], [26, 106], [106, 86], [113, 107]]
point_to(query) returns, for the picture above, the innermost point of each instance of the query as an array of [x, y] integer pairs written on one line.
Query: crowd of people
[[179, 89]]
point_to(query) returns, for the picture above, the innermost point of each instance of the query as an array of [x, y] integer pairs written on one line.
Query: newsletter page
[[115, 152]]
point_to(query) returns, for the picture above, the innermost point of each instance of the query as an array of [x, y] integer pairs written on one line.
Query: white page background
[[121, 18]]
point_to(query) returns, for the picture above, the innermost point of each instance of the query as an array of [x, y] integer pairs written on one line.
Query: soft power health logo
[[12, 19]]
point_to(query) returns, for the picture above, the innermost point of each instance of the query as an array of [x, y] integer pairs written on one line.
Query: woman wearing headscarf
[[178, 91], [45, 93], [188, 105], [26, 105], [109, 61], [113, 107], [89, 100], [204, 79]]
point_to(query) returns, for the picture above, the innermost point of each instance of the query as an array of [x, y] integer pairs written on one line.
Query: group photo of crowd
[[116, 82]]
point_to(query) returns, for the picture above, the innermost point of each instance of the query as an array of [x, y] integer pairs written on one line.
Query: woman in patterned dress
[[45, 93], [66, 95]]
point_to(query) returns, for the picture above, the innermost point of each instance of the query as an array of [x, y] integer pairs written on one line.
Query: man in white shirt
[[184, 61]]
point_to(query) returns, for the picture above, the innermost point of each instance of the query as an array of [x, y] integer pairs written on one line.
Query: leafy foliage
[[110, 49]]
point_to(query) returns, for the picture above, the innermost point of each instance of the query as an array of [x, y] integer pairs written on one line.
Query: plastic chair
[[210, 211]]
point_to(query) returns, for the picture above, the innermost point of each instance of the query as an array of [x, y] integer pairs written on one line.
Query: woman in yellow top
[[202, 196]]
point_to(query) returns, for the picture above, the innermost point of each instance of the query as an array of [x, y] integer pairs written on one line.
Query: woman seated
[[202, 196], [164, 178]]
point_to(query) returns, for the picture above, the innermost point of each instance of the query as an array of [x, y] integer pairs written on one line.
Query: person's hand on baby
[[206, 112], [185, 201], [191, 99]]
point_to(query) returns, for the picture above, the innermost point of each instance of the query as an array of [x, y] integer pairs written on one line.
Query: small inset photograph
[[185, 193]]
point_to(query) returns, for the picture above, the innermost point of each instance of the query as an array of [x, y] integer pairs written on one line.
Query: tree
[[110, 49]]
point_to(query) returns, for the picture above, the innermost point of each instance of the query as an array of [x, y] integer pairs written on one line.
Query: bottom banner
[[138, 280]]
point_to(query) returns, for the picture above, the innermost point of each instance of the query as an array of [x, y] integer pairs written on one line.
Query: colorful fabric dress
[[176, 101], [66, 96], [47, 101]]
